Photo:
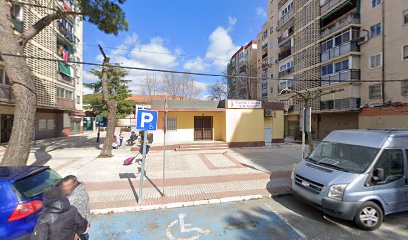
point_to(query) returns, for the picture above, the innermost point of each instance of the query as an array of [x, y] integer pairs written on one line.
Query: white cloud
[[221, 47], [134, 53], [261, 12], [196, 65], [232, 21]]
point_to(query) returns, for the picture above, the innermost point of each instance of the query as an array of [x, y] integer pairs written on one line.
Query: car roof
[[375, 138], [19, 172]]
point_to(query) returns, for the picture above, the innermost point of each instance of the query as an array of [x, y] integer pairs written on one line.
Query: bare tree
[[151, 86], [174, 85], [217, 91], [188, 87], [111, 106]]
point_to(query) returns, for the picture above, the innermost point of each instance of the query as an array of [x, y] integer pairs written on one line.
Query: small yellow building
[[239, 123]]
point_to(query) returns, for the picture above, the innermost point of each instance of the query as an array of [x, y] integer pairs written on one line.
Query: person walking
[[58, 220], [121, 137], [79, 198]]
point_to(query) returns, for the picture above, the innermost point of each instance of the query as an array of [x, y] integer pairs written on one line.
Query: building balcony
[[5, 93], [330, 4], [341, 104], [347, 47], [286, 36], [286, 72], [65, 104], [265, 65], [284, 54], [65, 79], [347, 75], [352, 18], [285, 18], [65, 32], [243, 69]]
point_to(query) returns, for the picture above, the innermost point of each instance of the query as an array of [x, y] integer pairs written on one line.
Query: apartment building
[[58, 83], [243, 64], [337, 46]]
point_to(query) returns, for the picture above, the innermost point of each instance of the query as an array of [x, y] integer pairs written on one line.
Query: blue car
[[21, 191]]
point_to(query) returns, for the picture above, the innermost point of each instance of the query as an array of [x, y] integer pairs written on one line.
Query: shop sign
[[244, 104]]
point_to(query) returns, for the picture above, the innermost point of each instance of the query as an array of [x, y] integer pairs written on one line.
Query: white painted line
[[302, 236], [174, 205]]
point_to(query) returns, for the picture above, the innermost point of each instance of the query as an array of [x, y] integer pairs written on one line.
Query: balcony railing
[[341, 104], [352, 18], [347, 75], [264, 65], [340, 50], [285, 18], [284, 54], [65, 79], [286, 72], [328, 5]]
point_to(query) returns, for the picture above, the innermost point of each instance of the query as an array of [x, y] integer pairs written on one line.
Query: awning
[[64, 69]]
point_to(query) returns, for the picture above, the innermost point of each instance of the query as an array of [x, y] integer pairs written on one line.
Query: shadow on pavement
[[130, 176], [43, 148], [259, 223]]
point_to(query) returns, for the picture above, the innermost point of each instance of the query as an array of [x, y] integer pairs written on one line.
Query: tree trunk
[[112, 109], [23, 91]]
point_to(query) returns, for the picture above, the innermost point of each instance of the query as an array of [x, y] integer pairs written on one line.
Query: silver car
[[359, 175]]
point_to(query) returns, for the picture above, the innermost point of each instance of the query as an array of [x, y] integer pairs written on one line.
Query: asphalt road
[[281, 218]]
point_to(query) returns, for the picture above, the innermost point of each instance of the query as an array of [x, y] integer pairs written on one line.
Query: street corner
[[245, 220]]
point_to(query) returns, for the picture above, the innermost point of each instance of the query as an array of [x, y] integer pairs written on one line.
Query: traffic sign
[[146, 120]]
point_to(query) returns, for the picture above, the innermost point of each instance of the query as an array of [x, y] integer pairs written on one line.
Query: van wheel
[[369, 216]]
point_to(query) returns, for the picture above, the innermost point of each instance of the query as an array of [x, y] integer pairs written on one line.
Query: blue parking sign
[[146, 120]]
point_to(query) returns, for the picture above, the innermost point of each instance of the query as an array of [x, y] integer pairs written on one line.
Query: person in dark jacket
[[58, 220]]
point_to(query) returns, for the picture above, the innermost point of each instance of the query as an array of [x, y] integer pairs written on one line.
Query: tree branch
[[43, 23]]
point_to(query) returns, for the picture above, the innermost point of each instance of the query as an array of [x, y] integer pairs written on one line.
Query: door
[[203, 128], [5, 126], [268, 136], [392, 189]]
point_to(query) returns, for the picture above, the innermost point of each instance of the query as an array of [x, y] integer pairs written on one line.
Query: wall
[[185, 126], [380, 118], [52, 122], [336, 121], [245, 127], [277, 125]]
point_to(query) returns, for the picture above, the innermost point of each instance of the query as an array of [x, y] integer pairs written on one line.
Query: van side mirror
[[379, 175]]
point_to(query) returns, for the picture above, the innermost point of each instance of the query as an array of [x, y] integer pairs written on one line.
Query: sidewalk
[[192, 178]]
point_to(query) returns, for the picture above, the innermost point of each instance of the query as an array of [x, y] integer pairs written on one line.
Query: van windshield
[[343, 157]]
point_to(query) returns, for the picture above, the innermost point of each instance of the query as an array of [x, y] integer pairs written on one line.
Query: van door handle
[[406, 181]]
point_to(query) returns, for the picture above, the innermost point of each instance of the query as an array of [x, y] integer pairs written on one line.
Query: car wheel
[[369, 216]]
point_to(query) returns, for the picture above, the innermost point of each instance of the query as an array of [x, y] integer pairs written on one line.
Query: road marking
[[302, 236], [184, 228]]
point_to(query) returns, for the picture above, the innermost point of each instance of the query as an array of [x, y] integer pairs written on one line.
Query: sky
[[195, 35]]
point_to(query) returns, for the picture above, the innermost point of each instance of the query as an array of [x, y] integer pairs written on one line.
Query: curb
[[175, 205]]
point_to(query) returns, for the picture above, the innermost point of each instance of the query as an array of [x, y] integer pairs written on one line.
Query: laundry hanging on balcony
[[64, 69]]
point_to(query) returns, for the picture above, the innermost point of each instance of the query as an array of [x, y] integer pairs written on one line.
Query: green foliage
[[106, 14], [118, 90]]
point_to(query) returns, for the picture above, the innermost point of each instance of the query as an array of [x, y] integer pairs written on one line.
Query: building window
[[375, 3], [405, 52], [78, 100], [405, 17], [375, 91], [376, 30], [3, 77], [65, 94], [42, 124], [376, 60], [17, 12], [404, 88], [171, 124]]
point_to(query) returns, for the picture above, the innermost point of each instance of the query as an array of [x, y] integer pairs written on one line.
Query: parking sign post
[[142, 171], [146, 121]]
